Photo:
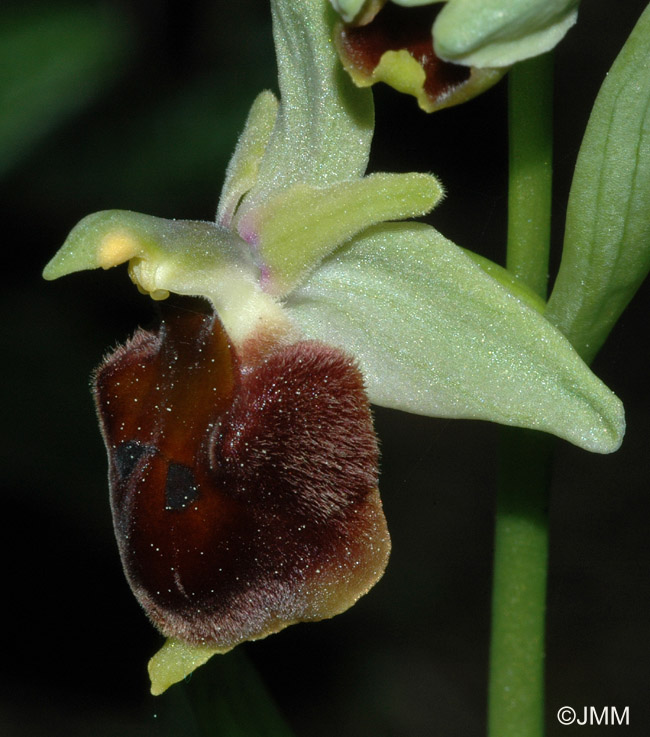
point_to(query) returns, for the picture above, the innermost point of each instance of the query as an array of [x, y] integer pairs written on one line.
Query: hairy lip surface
[[243, 487]]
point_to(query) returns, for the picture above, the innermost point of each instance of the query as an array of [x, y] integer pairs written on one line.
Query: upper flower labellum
[[394, 45]]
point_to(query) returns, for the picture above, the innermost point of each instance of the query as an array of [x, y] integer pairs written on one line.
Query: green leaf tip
[[606, 252], [175, 661]]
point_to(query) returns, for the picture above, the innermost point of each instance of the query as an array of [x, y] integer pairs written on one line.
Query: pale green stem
[[530, 106], [516, 689], [516, 692]]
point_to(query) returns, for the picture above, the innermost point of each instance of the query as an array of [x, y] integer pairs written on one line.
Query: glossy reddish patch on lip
[[395, 28], [243, 487]]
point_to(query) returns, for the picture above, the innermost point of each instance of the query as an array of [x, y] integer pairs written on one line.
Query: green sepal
[[176, 660], [606, 251], [498, 33], [297, 228], [243, 168], [324, 127], [435, 335], [510, 281]]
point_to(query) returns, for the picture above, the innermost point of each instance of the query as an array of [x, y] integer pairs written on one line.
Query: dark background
[[151, 129]]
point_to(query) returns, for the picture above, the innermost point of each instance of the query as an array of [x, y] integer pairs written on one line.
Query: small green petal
[[324, 126], [243, 168], [498, 33], [296, 229], [176, 660], [606, 251], [434, 334]]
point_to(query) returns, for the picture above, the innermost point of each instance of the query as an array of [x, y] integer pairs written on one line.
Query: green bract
[[606, 251], [301, 240]]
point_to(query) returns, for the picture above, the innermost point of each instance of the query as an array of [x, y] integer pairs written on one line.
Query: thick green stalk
[[516, 690]]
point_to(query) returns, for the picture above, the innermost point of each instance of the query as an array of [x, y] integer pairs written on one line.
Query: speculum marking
[[128, 455], [180, 488]]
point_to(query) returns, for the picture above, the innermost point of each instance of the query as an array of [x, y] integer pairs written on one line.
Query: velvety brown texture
[[395, 28], [244, 492]]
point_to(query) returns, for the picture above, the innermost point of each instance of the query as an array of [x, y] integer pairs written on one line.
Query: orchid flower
[[243, 465], [446, 54]]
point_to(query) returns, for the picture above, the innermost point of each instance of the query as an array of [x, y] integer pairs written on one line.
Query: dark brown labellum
[[244, 491]]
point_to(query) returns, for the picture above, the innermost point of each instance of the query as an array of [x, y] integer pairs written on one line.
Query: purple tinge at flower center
[[243, 484]]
